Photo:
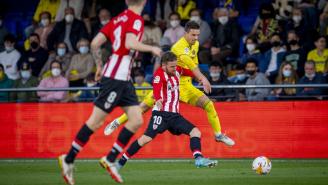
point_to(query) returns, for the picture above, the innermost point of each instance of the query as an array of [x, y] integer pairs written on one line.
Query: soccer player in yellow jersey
[[186, 50]]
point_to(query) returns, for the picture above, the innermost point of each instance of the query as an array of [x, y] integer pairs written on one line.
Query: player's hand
[[98, 74], [159, 104], [156, 51], [207, 85]]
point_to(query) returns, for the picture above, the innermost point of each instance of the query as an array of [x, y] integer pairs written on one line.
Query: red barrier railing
[[274, 129]]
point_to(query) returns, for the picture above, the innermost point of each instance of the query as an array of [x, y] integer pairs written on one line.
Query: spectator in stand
[[70, 30], [44, 29], [311, 77], [252, 50], [205, 30], [10, 57], [152, 33], [76, 5], [55, 81], [3, 33], [81, 65], [176, 31], [5, 82], [217, 77], [295, 54], [320, 54], [36, 56], [265, 26], [88, 95], [256, 78], [26, 81], [61, 55], [139, 81], [184, 8], [286, 75], [272, 59], [324, 21], [50, 6], [239, 79], [225, 37]]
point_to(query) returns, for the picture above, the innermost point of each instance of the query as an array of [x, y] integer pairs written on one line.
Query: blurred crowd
[[241, 42]]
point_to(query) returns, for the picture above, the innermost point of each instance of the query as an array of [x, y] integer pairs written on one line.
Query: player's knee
[[94, 125], [143, 140], [135, 123], [195, 132]]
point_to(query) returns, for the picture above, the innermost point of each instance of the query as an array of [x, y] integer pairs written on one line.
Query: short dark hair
[[216, 64], [175, 13], [45, 13], [168, 57], [10, 37], [197, 10], [34, 35], [251, 61], [139, 72], [56, 61], [191, 25]]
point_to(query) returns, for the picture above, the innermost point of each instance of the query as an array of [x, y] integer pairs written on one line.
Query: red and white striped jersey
[[119, 64], [166, 87]]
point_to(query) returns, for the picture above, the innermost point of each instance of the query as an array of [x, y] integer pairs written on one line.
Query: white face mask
[[286, 73], [61, 52], [223, 20], [90, 84], [174, 23], [25, 74], [84, 49], [195, 18], [104, 22], [297, 19], [215, 75], [55, 72], [69, 18], [9, 48], [250, 47], [310, 75], [241, 77], [45, 22]]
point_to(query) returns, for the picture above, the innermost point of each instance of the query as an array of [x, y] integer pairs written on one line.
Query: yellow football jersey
[[141, 94], [187, 56]]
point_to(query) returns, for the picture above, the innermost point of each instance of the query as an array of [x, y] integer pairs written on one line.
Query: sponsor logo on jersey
[[137, 25], [186, 50], [157, 79]]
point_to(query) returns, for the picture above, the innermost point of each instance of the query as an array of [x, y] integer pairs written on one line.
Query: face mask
[[241, 77], [2, 75], [297, 19], [34, 45], [104, 22], [223, 20], [69, 18], [286, 73], [251, 73], [45, 22], [174, 23], [215, 75], [90, 84], [310, 75], [9, 48], [61, 52], [250, 47], [84, 49], [195, 18], [25, 74], [276, 43], [293, 42], [55, 72]]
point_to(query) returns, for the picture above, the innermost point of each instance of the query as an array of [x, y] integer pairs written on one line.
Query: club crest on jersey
[[193, 52], [169, 87], [157, 79], [186, 50], [137, 25]]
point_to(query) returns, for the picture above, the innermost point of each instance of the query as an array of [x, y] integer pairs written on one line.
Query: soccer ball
[[262, 165]]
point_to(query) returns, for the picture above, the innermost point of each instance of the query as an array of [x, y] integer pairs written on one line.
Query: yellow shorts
[[188, 94], [149, 99]]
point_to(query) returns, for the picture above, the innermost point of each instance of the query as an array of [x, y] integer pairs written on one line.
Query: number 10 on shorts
[[157, 121]]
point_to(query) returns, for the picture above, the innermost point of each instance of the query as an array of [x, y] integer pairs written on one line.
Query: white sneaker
[[224, 139], [111, 127], [111, 169], [67, 170]]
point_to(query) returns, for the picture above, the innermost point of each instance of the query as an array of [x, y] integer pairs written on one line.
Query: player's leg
[[92, 124], [145, 105]]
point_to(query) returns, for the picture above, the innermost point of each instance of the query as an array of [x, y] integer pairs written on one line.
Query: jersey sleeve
[[185, 60], [106, 30], [157, 85], [135, 26], [185, 72]]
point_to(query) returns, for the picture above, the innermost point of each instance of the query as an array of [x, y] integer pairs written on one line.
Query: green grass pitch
[[165, 172]]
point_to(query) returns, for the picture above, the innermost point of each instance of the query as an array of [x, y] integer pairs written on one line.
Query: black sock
[[80, 140], [195, 147], [122, 140], [133, 149]]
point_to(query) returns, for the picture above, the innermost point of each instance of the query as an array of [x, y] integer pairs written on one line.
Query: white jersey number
[[117, 35]]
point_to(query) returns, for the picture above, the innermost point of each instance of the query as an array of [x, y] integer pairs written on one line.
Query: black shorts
[[115, 93], [173, 122]]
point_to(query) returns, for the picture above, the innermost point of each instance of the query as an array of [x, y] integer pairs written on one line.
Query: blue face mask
[[84, 49], [286, 73], [241, 77], [61, 52]]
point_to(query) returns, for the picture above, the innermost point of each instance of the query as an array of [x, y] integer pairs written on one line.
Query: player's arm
[[195, 70], [185, 72], [157, 88], [131, 42], [96, 44]]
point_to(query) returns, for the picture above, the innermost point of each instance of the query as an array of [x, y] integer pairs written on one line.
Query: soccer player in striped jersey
[[165, 115], [186, 50], [116, 89]]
